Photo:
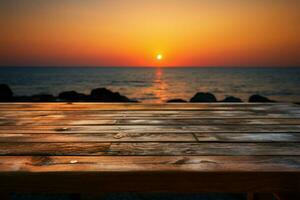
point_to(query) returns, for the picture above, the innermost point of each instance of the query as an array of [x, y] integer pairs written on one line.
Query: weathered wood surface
[[83, 147], [149, 163], [149, 149], [72, 121], [146, 114], [151, 137], [150, 129]]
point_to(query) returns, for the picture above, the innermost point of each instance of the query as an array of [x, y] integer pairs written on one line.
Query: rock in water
[[105, 95], [72, 96], [259, 98], [5, 93], [203, 97], [232, 99], [176, 101]]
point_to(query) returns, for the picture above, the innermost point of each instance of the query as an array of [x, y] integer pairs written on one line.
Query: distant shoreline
[[105, 95], [156, 85]]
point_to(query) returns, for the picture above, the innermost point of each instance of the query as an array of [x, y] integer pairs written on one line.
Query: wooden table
[[99, 147]]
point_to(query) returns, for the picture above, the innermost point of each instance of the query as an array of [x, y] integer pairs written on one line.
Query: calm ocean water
[[157, 84]]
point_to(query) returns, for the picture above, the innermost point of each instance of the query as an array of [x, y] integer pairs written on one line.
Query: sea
[[158, 84]]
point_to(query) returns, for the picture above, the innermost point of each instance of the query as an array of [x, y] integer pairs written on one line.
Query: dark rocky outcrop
[[176, 101], [231, 99], [259, 98], [5, 93], [72, 96], [97, 95], [105, 95], [203, 97]]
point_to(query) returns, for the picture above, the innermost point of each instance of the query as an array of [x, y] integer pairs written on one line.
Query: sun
[[159, 57]]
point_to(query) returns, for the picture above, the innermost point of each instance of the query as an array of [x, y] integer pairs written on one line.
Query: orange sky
[[133, 32]]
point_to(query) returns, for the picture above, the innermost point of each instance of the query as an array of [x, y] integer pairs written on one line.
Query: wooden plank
[[166, 121], [150, 163], [104, 137], [150, 129], [149, 149], [137, 106], [152, 137], [54, 121], [221, 121], [175, 114], [54, 148], [204, 149], [247, 137], [149, 174]]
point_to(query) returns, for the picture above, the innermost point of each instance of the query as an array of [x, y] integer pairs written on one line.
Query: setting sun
[[159, 57]]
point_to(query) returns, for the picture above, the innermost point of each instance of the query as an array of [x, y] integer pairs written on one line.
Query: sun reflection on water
[[160, 86]]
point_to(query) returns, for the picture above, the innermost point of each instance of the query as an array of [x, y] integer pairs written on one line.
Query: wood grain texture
[[152, 137], [199, 164], [247, 137], [127, 147], [103, 137], [148, 114], [148, 149], [70, 121], [150, 129]]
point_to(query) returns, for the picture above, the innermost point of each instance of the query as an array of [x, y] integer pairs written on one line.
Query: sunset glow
[[129, 32], [159, 57]]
